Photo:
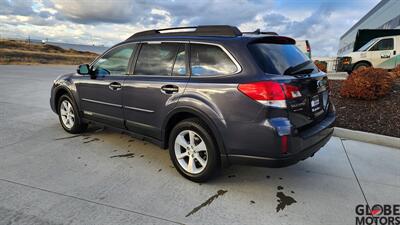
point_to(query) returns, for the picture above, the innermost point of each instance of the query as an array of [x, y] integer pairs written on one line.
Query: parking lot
[[48, 176]]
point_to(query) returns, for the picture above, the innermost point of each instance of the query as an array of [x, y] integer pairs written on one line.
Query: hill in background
[[22, 52]]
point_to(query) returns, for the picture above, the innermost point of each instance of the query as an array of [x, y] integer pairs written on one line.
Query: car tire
[[193, 151], [361, 66], [69, 116]]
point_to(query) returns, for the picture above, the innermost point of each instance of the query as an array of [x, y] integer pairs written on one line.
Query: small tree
[[368, 83]]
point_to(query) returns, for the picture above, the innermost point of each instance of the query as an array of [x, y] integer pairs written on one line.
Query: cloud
[[109, 22], [16, 7], [98, 11]]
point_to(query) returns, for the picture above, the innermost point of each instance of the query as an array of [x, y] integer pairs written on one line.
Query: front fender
[[63, 84]]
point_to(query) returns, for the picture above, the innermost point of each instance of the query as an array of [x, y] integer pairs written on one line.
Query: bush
[[368, 83], [396, 72], [322, 65]]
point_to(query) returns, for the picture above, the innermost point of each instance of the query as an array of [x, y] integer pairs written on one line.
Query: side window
[[158, 59], [180, 62], [208, 60], [384, 44], [114, 62]]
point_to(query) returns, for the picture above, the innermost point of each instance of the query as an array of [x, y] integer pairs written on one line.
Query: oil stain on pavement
[[283, 201], [94, 139], [69, 137], [129, 155], [208, 202]]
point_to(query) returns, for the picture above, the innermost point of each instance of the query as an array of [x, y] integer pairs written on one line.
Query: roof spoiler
[[258, 31], [275, 40]]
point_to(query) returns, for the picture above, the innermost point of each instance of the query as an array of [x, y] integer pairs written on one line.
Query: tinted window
[[180, 62], [281, 59], [210, 60], [157, 59], [384, 44], [114, 62]]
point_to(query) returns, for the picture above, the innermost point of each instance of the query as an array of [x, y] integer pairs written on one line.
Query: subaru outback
[[212, 95]]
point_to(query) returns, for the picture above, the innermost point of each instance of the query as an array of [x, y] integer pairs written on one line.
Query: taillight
[[270, 93], [308, 46]]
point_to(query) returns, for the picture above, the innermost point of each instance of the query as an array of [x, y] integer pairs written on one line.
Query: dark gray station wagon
[[212, 95]]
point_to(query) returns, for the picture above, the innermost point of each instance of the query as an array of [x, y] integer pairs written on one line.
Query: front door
[[100, 94], [159, 78], [382, 54]]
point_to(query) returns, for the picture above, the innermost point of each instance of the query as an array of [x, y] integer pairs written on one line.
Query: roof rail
[[261, 32], [212, 30]]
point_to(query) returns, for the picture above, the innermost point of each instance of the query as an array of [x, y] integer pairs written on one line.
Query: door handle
[[115, 86], [169, 89], [394, 52]]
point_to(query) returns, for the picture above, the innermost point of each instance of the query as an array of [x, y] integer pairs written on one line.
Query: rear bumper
[[301, 147], [284, 161]]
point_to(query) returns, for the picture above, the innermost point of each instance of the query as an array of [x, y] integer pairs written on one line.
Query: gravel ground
[[379, 116]]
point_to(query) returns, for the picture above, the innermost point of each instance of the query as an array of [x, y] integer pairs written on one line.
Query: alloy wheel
[[67, 114], [191, 151]]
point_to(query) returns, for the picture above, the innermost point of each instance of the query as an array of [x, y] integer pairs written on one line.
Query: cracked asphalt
[[48, 176]]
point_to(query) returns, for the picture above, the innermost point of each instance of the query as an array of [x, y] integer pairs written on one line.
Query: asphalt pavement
[[48, 176]]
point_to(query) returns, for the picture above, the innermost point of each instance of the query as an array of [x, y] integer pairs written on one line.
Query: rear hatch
[[306, 88]]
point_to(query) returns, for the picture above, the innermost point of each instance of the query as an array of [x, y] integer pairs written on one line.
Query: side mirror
[[83, 69]]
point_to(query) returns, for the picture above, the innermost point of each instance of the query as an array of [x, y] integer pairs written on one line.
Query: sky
[[107, 22]]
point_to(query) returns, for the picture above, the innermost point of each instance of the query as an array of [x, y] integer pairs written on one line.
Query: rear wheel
[[192, 150], [69, 116]]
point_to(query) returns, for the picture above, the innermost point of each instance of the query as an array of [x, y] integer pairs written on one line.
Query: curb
[[372, 138]]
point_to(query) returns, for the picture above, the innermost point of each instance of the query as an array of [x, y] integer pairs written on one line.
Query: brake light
[[291, 91], [270, 93]]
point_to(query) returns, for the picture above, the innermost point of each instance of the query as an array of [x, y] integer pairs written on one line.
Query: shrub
[[322, 65], [368, 83], [396, 72]]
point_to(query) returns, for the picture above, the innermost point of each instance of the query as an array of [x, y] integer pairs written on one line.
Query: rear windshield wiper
[[299, 69]]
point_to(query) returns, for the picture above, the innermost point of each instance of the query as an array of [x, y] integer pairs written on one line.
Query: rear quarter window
[[279, 58], [210, 60]]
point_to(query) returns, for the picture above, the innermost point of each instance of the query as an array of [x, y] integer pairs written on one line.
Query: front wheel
[[192, 150], [360, 66], [69, 116]]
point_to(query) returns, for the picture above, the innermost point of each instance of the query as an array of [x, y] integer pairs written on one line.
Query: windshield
[[366, 46], [282, 59]]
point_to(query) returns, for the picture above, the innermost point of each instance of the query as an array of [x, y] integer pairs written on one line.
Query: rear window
[[283, 59], [158, 59]]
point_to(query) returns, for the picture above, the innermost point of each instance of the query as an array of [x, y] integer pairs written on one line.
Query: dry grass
[[20, 52]]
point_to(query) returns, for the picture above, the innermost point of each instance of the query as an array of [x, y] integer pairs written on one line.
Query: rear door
[[381, 54], [159, 78], [101, 95]]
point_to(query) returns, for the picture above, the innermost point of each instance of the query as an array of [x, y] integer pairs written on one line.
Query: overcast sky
[[107, 22]]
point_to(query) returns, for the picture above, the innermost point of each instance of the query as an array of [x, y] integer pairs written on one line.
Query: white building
[[385, 15]]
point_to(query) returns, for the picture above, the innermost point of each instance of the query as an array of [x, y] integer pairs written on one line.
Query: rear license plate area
[[315, 104]]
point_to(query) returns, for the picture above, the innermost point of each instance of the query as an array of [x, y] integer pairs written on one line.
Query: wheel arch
[[183, 113], [361, 61], [60, 91]]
